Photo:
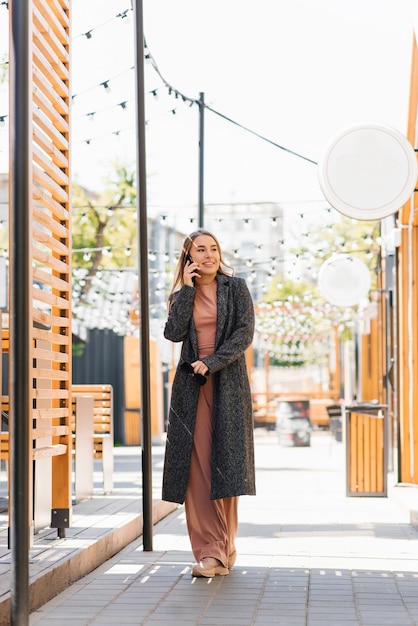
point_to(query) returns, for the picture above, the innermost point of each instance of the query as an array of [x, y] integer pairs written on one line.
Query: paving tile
[[307, 556]]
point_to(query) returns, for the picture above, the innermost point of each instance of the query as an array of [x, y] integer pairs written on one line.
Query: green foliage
[[294, 321], [104, 227], [104, 230]]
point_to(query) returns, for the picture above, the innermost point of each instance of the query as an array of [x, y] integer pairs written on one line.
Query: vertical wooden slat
[[353, 453], [408, 309]]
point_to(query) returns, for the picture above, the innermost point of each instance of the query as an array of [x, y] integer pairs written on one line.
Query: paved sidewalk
[[307, 556]]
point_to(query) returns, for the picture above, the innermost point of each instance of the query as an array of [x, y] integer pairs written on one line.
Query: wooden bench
[[102, 426]]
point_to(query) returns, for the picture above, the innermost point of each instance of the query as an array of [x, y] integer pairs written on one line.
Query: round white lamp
[[368, 171], [344, 280]]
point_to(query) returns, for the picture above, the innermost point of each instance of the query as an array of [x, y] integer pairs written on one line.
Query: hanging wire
[[176, 92], [88, 34]]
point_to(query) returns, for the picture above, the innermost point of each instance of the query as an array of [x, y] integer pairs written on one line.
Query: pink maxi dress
[[212, 524]]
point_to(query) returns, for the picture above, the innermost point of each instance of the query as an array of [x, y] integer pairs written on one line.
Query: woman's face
[[205, 252]]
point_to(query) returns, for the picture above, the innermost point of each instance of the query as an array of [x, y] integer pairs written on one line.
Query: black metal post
[[201, 158], [146, 438], [20, 305]]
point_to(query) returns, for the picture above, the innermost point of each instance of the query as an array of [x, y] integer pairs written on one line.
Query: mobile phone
[[189, 258]]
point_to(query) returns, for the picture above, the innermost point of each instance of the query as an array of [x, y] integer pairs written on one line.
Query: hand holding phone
[[190, 260]]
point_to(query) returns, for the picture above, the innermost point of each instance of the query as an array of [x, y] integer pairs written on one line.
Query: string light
[[105, 85], [88, 34]]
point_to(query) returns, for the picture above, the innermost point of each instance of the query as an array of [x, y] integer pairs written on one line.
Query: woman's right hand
[[189, 272]]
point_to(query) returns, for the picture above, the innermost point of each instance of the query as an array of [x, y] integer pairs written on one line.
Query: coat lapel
[[222, 306]]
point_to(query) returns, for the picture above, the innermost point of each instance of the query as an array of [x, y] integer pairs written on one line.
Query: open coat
[[233, 471]]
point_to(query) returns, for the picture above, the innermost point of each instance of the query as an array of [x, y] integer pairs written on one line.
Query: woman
[[209, 456]]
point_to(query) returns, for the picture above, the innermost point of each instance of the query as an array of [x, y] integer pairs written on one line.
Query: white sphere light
[[368, 171], [344, 280]]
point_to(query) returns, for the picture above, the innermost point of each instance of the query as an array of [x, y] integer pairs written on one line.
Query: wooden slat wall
[[408, 310], [51, 249]]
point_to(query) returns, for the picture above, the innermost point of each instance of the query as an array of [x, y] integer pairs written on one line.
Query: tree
[[294, 321], [104, 229]]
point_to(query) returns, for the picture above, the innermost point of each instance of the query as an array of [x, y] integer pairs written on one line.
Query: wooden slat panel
[[46, 52], [59, 211], [51, 374], [53, 338], [54, 245], [47, 42], [43, 296], [48, 451], [56, 37], [58, 357], [366, 460], [58, 18], [380, 444], [59, 8], [50, 110], [45, 181], [55, 264], [50, 393], [57, 82], [50, 222], [51, 151], [50, 320], [49, 167], [48, 414], [360, 458], [50, 279], [51, 431], [51, 250], [353, 454]]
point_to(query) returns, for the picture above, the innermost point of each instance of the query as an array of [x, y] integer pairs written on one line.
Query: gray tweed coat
[[233, 471]]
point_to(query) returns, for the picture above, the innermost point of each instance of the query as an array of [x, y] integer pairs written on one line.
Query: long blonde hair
[[224, 268]]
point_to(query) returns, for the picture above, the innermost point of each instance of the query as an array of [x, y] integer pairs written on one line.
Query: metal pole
[[201, 157], [143, 275], [20, 305]]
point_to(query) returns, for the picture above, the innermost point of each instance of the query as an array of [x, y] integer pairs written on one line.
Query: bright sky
[[295, 71]]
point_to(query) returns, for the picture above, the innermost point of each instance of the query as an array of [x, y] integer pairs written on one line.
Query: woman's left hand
[[200, 368]]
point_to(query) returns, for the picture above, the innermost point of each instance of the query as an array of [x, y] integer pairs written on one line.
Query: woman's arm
[[180, 313]]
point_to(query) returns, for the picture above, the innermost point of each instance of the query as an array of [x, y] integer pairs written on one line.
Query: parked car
[[293, 423]]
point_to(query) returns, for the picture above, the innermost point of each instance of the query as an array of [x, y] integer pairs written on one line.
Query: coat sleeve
[[180, 313], [242, 335]]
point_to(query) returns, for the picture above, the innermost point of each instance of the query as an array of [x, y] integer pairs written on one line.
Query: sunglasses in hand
[[199, 378]]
